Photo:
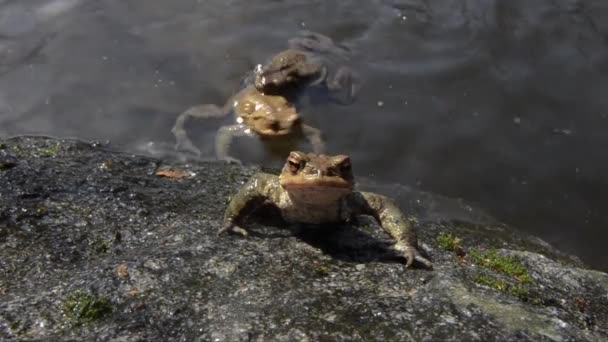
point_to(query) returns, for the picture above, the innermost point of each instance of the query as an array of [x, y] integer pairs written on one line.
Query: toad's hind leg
[[223, 140], [182, 141], [318, 43], [343, 85]]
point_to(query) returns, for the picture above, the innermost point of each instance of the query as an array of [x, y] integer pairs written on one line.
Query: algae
[[82, 308]]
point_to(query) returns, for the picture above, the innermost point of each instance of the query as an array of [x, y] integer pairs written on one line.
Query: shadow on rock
[[348, 242]]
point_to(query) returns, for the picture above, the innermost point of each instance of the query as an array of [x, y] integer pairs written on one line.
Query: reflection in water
[[499, 102]]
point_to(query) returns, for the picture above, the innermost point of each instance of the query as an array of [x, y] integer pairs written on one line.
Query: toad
[[308, 63], [318, 189], [271, 118]]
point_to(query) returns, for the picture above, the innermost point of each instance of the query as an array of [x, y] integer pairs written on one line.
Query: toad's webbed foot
[[411, 254], [232, 228]]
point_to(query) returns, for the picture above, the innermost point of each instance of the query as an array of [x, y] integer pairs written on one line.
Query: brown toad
[[315, 189], [308, 63], [271, 118]]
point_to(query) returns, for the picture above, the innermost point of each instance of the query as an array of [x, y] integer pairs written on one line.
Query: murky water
[[499, 102]]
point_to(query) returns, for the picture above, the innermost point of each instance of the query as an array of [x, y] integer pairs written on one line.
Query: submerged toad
[[265, 105], [309, 62], [314, 189], [271, 118]]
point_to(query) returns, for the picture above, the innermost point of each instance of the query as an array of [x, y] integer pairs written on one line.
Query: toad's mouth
[[279, 82], [273, 133], [318, 194], [317, 185]]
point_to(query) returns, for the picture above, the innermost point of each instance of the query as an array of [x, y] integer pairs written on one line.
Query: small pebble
[[122, 271]]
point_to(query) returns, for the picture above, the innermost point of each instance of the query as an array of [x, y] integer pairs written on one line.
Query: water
[[498, 102]]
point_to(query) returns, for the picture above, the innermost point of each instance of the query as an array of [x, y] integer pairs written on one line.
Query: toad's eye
[[345, 166], [294, 165]]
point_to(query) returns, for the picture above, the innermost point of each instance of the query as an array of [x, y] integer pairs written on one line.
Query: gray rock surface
[[95, 245]]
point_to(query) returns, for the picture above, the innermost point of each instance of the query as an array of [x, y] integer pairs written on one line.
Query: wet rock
[[80, 261]]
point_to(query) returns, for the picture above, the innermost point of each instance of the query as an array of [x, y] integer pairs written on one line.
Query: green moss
[[16, 327], [42, 211], [506, 265], [491, 282], [51, 151], [83, 308], [322, 270], [20, 151], [519, 290], [100, 246], [449, 242]]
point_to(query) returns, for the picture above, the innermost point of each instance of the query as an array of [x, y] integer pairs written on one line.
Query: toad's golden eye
[[294, 165]]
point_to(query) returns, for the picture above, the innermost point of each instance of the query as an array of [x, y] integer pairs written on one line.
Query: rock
[[94, 245]]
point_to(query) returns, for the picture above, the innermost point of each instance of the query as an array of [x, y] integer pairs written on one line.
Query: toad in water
[[308, 63], [271, 118]]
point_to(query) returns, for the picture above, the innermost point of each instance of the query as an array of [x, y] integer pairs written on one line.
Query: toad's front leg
[[253, 194], [394, 222]]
